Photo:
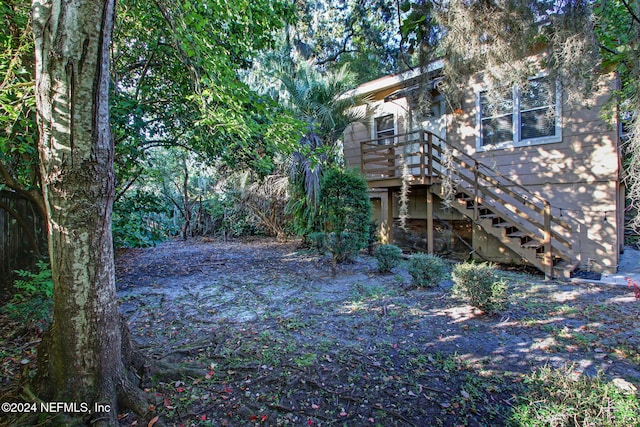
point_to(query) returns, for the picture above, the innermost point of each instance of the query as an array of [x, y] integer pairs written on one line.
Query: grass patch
[[562, 397]]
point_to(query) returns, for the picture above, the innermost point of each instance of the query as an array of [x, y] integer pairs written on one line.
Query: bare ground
[[264, 335], [270, 337]]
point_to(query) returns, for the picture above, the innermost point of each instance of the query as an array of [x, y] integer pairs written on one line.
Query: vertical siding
[[16, 250], [579, 175]]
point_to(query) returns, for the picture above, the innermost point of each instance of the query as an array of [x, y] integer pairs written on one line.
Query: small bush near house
[[388, 257], [561, 397], [427, 271], [317, 241], [481, 285], [345, 211]]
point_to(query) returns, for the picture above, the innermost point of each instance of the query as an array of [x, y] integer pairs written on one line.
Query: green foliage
[[345, 211], [481, 285], [315, 98], [418, 29], [176, 73], [353, 32], [388, 257], [302, 208], [18, 129], [32, 299], [317, 241], [427, 271], [564, 398], [235, 220], [140, 220]]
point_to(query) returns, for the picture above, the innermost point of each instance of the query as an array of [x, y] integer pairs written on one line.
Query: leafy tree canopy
[[363, 34], [176, 81], [18, 133]]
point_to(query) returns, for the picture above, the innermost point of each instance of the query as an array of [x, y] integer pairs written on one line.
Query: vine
[[405, 189], [448, 185]]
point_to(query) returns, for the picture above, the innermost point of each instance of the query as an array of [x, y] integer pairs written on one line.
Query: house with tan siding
[[522, 177]]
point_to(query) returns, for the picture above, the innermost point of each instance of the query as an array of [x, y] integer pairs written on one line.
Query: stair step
[[532, 244], [519, 234], [502, 225], [556, 259], [489, 216]]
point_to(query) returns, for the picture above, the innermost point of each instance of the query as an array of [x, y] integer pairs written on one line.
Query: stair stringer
[[563, 265]]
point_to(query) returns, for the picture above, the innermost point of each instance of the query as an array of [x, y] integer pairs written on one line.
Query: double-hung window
[[385, 129], [520, 117]]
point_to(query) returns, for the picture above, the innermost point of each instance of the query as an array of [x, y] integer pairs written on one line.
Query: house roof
[[392, 80]]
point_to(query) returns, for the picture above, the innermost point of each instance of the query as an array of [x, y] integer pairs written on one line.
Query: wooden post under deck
[[547, 256], [429, 221], [390, 215]]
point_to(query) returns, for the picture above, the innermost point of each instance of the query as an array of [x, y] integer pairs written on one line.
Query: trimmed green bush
[[388, 256], [427, 271], [481, 285], [345, 210]]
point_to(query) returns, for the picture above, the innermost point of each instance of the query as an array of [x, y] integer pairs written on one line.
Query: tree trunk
[[187, 205], [80, 357]]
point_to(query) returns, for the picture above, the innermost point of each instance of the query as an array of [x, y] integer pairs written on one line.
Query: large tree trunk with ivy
[[80, 357]]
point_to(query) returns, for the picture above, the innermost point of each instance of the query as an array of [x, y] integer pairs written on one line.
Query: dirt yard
[[270, 337]]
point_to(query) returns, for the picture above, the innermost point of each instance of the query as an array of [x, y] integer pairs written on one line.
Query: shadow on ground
[[272, 338]]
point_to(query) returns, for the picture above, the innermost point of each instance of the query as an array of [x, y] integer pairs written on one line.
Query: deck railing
[[386, 157], [422, 154]]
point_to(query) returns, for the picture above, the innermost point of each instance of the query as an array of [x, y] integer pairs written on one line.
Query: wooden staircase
[[519, 219], [513, 234]]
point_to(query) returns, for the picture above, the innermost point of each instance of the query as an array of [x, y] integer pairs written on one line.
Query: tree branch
[[126, 187], [33, 195], [145, 69], [342, 51], [631, 11]]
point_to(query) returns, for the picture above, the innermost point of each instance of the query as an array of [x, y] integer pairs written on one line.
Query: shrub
[[140, 219], [560, 397], [317, 241], [388, 256], [427, 270], [32, 299], [345, 210], [481, 285]]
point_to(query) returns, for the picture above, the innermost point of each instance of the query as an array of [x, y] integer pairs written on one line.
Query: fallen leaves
[[365, 371]]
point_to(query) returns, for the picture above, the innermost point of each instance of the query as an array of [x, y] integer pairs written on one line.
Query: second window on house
[[385, 129], [519, 117]]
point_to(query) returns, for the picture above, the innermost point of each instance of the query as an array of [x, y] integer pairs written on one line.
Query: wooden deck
[[521, 220]]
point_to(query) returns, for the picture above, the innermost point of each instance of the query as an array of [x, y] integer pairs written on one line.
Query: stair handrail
[[524, 199], [431, 165], [545, 211]]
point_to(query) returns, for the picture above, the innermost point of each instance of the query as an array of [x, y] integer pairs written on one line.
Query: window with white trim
[[385, 129], [520, 117]]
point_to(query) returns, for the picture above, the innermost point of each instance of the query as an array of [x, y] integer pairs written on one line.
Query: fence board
[[17, 236]]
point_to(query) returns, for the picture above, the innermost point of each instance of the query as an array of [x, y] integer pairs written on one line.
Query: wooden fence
[[22, 236]]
